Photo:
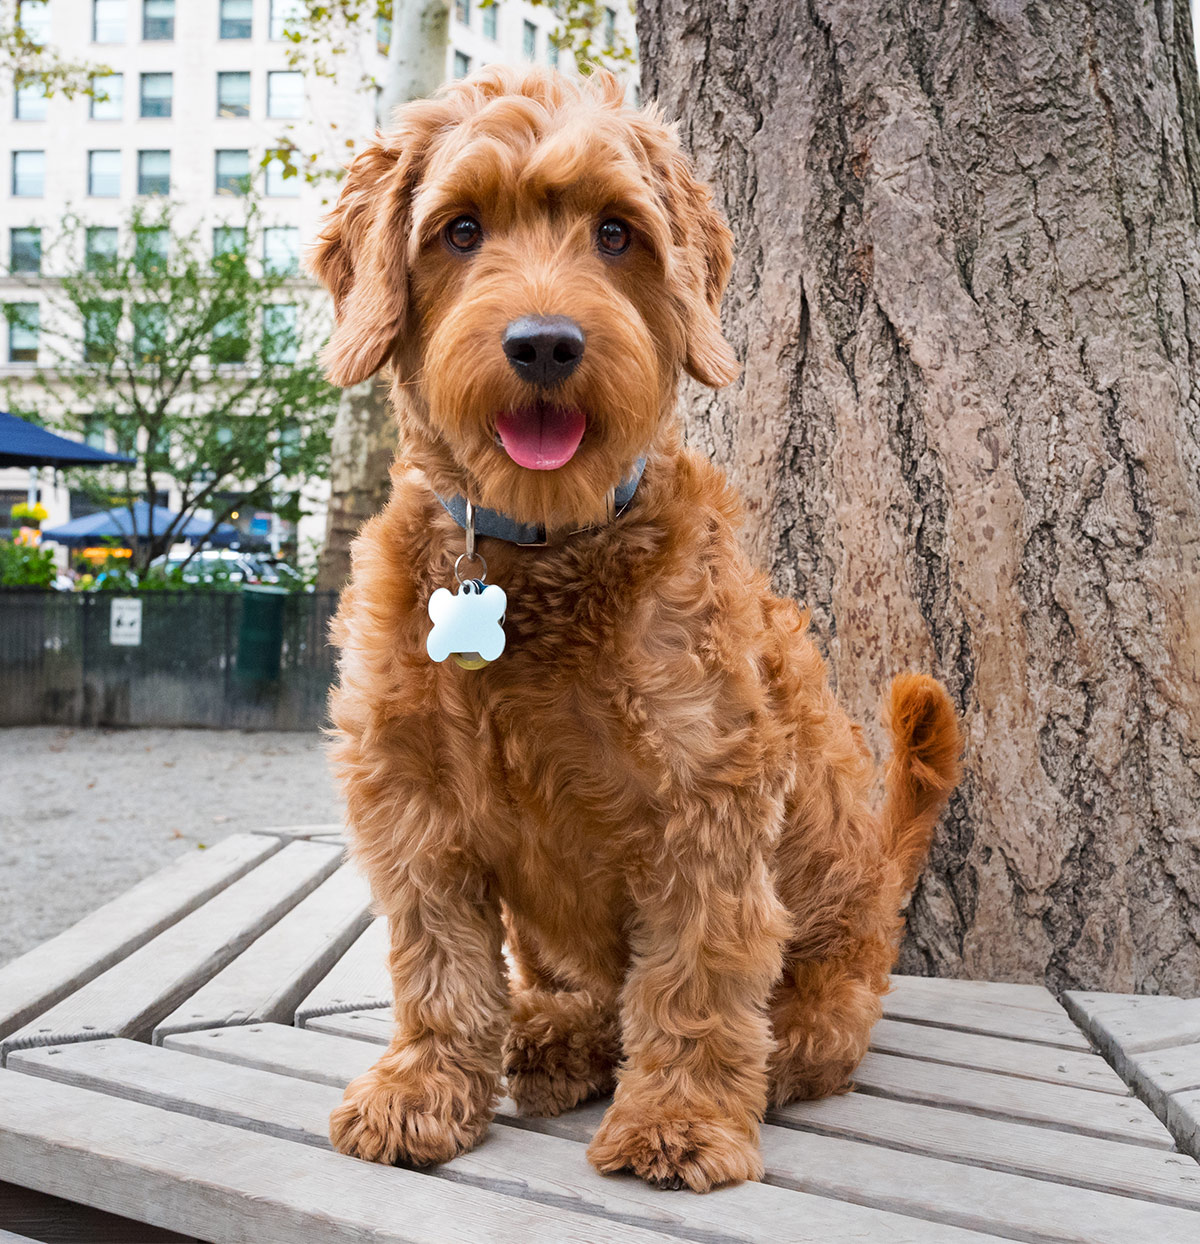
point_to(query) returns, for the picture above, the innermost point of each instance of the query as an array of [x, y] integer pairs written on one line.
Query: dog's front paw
[[676, 1148], [387, 1119]]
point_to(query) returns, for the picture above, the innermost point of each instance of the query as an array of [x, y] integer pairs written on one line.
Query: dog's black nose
[[543, 349]]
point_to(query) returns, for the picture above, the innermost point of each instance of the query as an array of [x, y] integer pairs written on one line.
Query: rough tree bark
[[967, 295], [364, 435]]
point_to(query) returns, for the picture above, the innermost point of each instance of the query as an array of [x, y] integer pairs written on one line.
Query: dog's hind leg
[[562, 1048], [563, 1043]]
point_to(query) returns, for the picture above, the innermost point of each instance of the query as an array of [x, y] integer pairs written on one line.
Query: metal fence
[[79, 659]]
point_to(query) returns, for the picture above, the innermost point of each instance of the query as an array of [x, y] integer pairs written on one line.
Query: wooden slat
[[1017, 1058], [7, 1237], [1157, 1074], [359, 979], [281, 967], [1009, 1097], [1183, 1118], [989, 1018], [374, 1025], [48, 973], [1124, 1024], [131, 996], [952, 1192], [949, 991], [301, 831], [1105, 1165], [221, 1183], [297, 1052], [545, 1168]]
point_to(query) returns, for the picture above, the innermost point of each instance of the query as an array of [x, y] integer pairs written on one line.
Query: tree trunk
[[967, 295], [361, 448], [364, 437]]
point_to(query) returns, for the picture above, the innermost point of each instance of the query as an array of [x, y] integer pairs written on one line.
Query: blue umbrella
[[120, 525], [24, 444]]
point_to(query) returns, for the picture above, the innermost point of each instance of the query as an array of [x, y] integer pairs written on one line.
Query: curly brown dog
[[652, 795]]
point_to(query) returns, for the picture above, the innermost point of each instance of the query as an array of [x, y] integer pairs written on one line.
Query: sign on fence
[[125, 622]]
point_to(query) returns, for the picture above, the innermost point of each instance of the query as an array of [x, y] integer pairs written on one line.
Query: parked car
[[232, 565]]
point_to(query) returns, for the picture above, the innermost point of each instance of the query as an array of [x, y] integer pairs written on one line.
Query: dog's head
[[537, 263]]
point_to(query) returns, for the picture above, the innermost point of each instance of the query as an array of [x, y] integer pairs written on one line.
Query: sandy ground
[[84, 814]]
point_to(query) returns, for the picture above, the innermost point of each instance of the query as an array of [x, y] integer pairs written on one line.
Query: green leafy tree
[[203, 367], [26, 56]]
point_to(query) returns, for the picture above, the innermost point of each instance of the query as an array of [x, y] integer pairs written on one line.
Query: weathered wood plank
[[1105, 1165], [1124, 1024], [1016, 1058], [358, 980], [1009, 1097], [952, 1192], [48, 973], [950, 991], [1157, 1074], [374, 1025], [222, 1183], [302, 831], [297, 1052], [266, 981], [544, 1168], [989, 1018], [7, 1237], [132, 995], [1183, 1118]]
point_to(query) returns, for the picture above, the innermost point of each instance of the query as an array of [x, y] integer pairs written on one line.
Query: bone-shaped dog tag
[[468, 625]]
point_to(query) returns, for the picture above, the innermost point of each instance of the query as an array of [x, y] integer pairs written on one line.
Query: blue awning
[[120, 525], [24, 444]]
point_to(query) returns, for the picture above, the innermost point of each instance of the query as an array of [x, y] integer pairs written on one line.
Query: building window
[[284, 12], [610, 29], [101, 320], [33, 16], [108, 21], [552, 51], [233, 94], [281, 250], [229, 241], [95, 433], [104, 174], [462, 64], [25, 250], [28, 174], [157, 89], [490, 15], [150, 332], [285, 94], [529, 43], [279, 334], [158, 20], [99, 248], [278, 184], [23, 322], [237, 19], [108, 97], [233, 172], [29, 101], [230, 339], [383, 35], [462, 11], [150, 247], [154, 172]]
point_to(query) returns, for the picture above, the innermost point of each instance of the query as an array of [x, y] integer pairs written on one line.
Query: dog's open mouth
[[541, 437]]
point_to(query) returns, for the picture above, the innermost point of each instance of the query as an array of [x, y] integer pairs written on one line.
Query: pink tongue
[[541, 438]]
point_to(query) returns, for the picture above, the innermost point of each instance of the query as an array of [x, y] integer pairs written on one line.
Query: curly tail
[[923, 770]]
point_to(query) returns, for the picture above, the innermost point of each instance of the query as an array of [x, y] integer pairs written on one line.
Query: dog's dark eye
[[614, 237], [465, 233]]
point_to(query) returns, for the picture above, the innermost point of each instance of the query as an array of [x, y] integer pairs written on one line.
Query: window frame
[[298, 77], [147, 19], [96, 20], [156, 100], [116, 98], [221, 103], [13, 250], [14, 328], [41, 190], [239, 22], [243, 179], [143, 176]]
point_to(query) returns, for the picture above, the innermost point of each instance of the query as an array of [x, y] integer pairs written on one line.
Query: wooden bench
[[173, 1058]]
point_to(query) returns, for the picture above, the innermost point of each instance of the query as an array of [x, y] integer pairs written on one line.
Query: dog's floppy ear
[[361, 257], [706, 258]]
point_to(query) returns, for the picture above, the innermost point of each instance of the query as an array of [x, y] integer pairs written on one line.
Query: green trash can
[[260, 636]]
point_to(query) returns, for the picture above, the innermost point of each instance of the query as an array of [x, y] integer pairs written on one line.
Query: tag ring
[[470, 557]]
